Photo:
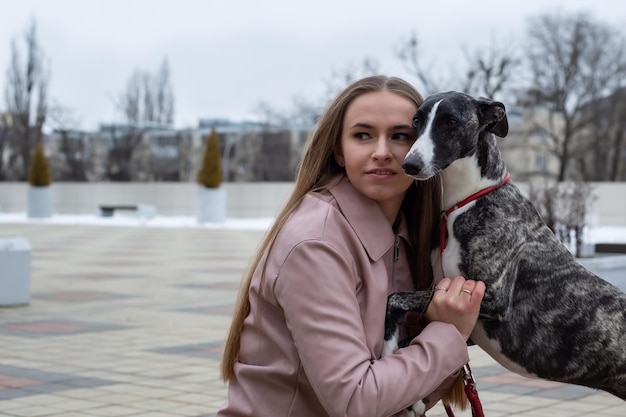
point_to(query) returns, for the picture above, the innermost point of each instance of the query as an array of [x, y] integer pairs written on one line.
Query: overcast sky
[[225, 56]]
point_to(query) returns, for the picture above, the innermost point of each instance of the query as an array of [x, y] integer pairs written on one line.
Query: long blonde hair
[[421, 206]]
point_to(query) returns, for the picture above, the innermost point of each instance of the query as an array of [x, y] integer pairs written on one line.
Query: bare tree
[[270, 115], [410, 55], [163, 95], [343, 76], [147, 100], [564, 206], [617, 137], [272, 163], [26, 99], [603, 140], [488, 70], [5, 136], [573, 60], [306, 111], [73, 151], [124, 140], [273, 155], [149, 97]]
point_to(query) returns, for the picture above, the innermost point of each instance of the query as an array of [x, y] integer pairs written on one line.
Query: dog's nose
[[412, 166]]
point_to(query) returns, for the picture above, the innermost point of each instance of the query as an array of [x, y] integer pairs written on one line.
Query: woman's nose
[[382, 150]]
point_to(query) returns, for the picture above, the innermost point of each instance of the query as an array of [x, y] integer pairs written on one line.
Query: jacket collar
[[366, 218]]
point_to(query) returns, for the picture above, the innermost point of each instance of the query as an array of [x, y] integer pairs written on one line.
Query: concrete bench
[[144, 211], [108, 210]]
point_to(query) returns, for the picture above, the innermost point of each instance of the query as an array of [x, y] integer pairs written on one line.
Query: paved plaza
[[130, 321]]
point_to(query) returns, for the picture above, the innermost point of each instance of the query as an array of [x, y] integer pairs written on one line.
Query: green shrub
[[39, 172], [210, 173]]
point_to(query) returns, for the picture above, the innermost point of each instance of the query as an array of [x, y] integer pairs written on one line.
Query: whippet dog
[[543, 315]]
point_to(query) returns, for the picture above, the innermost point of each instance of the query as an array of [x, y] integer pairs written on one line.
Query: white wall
[[610, 207], [245, 200]]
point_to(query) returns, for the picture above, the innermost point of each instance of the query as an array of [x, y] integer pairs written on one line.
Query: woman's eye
[[362, 135], [402, 136]]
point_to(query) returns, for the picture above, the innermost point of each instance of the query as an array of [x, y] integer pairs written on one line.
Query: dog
[[543, 314]]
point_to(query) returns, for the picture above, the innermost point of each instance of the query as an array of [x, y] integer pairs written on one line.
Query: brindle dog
[[543, 315]]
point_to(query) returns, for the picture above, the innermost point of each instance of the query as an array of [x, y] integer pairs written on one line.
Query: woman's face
[[377, 134]]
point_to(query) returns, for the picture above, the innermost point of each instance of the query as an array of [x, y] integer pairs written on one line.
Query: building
[[526, 147], [151, 152]]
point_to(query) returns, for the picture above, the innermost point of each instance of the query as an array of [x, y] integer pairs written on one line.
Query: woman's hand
[[457, 302]]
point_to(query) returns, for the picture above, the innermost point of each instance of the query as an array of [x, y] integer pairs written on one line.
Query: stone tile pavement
[[129, 321]]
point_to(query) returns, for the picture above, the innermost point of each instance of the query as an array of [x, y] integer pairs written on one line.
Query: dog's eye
[[451, 122], [417, 122]]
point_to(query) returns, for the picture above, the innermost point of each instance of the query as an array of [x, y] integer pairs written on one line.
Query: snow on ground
[[130, 220], [600, 234], [607, 234]]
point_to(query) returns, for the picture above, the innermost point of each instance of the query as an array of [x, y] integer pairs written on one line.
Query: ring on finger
[[467, 291], [440, 288]]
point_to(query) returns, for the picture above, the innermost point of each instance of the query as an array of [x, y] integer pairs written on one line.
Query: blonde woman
[[307, 333]]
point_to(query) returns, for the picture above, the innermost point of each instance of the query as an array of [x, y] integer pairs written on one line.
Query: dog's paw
[[391, 345], [416, 410]]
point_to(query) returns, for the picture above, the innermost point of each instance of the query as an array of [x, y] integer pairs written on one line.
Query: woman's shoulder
[[317, 214], [340, 216]]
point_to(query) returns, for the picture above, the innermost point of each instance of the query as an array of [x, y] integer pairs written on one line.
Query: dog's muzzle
[[415, 167]]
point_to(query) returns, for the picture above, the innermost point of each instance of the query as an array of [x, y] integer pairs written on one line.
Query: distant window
[[541, 163], [540, 134]]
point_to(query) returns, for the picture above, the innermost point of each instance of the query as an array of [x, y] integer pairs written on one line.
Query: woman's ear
[[339, 159]]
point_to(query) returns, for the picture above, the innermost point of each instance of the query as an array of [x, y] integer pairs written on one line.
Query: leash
[[472, 394], [469, 381]]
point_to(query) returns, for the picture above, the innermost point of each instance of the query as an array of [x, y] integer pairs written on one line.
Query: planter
[[211, 205], [39, 202]]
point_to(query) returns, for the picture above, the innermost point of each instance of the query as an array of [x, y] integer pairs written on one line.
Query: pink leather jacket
[[311, 345]]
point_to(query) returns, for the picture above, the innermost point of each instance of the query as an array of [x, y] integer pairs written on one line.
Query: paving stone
[[131, 321]]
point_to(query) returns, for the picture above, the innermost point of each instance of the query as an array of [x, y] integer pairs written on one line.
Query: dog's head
[[448, 127]]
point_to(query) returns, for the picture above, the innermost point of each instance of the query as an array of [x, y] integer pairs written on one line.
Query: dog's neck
[[473, 173]]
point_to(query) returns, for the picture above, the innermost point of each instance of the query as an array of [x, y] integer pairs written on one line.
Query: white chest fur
[[450, 261], [451, 256]]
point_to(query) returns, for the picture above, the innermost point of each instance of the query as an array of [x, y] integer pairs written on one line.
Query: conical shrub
[[39, 171], [210, 173]]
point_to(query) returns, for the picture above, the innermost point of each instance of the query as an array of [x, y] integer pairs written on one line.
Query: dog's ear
[[493, 115]]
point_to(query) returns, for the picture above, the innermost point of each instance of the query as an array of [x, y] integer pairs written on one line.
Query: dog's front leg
[[416, 410], [398, 304]]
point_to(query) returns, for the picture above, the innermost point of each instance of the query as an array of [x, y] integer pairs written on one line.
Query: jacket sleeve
[[317, 288]]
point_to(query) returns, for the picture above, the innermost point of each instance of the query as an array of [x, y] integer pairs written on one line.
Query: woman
[[307, 332]]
